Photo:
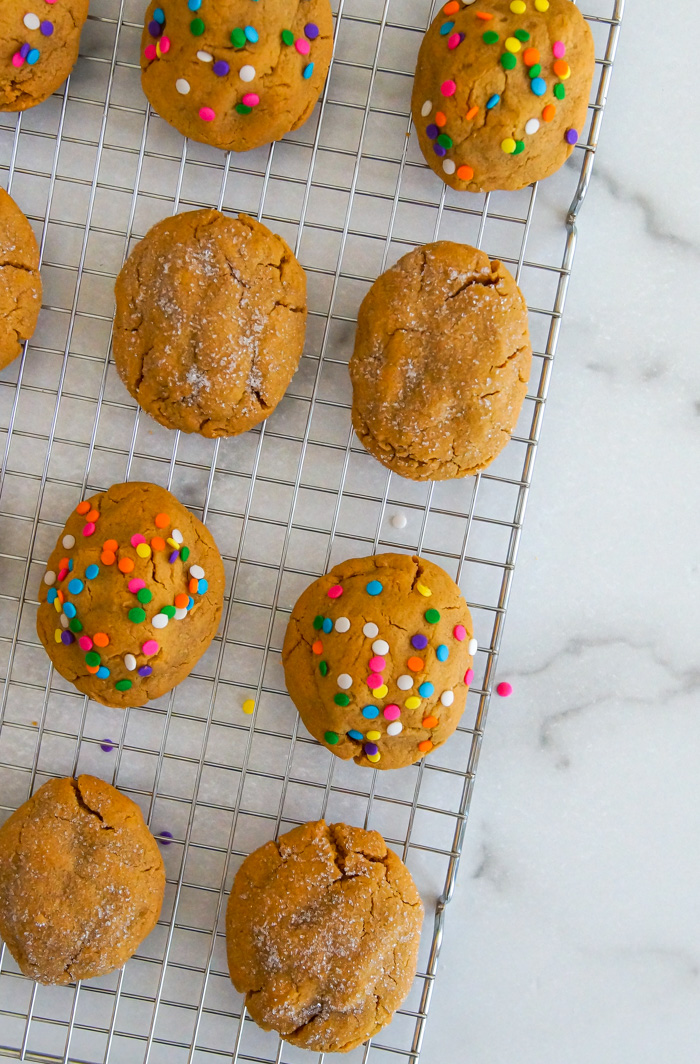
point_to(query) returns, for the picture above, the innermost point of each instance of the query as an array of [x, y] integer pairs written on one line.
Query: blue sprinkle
[[251, 34], [445, 28], [538, 86], [194, 5], [370, 712], [76, 586], [102, 672], [492, 101], [202, 586], [92, 571], [374, 588], [353, 734], [190, 604], [69, 609], [70, 565], [33, 56], [159, 16], [307, 71], [327, 625], [52, 595], [442, 653], [425, 690]]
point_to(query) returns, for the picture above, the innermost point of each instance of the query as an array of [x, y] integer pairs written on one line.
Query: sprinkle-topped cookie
[[236, 73], [501, 91], [131, 596], [388, 684], [38, 47]]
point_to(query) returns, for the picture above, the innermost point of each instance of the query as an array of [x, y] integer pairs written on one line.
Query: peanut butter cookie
[[38, 48], [20, 282]]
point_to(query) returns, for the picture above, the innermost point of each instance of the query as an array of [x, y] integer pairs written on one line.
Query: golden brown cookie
[[322, 930], [234, 74], [378, 659], [132, 595], [210, 322], [501, 91], [441, 362], [20, 282], [81, 881], [38, 48]]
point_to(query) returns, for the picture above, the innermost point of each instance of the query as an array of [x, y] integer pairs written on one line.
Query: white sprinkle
[[32, 22], [532, 126], [472, 647], [370, 630], [447, 698], [177, 535], [426, 108], [160, 620], [345, 681], [197, 572], [342, 624], [449, 166], [405, 682], [64, 620], [182, 86], [180, 613], [49, 577], [129, 662], [205, 57], [68, 542], [399, 520], [395, 728], [246, 73], [381, 647]]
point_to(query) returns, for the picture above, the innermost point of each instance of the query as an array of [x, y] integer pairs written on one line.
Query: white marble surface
[[575, 933]]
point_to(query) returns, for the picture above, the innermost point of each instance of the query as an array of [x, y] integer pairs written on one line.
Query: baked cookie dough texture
[[378, 658], [322, 931], [81, 881], [132, 595], [441, 362], [210, 322], [501, 91], [38, 48], [232, 73], [20, 282]]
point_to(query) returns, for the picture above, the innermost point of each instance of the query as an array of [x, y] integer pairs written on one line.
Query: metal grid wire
[[94, 168]]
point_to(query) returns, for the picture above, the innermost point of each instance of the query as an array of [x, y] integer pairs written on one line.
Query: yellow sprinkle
[[57, 635], [58, 606], [380, 692], [508, 145], [372, 735], [513, 44], [541, 5], [374, 757], [173, 543], [425, 591], [518, 7], [248, 706], [143, 550], [413, 702]]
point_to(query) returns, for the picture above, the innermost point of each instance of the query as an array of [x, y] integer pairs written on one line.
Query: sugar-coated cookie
[[132, 595], [441, 362], [81, 881], [38, 48], [233, 73], [501, 91], [210, 322], [322, 932], [378, 659], [20, 282]]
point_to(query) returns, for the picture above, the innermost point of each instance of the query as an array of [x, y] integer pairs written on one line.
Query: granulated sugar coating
[[322, 931], [441, 362]]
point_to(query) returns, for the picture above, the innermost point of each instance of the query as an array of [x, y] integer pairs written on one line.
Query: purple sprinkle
[[371, 748], [221, 68], [24, 50], [432, 131], [311, 31], [145, 670], [165, 838], [174, 556], [107, 745], [571, 136], [67, 637], [420, 642], [439, 150], [154, 28], [46, 28]]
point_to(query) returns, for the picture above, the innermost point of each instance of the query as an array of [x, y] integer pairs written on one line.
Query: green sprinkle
[[238, 39], [75, 625], [508, 61], [184, 553], [535, 70], [445, 140], [342, 700], [323, 668], [432, 616], [169, 611], [490, 37], [137, 615], [197, 27], [559, 91], [92, 658], [144, 595], [287, 37], [519, 146], [243, 109], [318, 623], [331, 738], [522, 35], [123, 685]]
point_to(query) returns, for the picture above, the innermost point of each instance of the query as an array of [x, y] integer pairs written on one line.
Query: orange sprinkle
[[82, 507], [108, 557], [415, 664], [181, 601], [101, 639], [63, 564], [561, 68], [465, 173], [430, 722], [451, 8], [59, 596], [440, 119], [471, 113], [483, 16], [549, 112], [94, 515], [162, 521], [193, 585], [110, 544], [531, 56], [157, 543], [317, 647], [92, 669], [425, 746], [125, 565]]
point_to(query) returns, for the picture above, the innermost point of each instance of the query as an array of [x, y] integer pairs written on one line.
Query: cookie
[[233, 75], [20, 282], [81, 881], [210, 322], [132, 595], [38, 48], [441, 362], [378, 659], [322, 932], [501, 91]]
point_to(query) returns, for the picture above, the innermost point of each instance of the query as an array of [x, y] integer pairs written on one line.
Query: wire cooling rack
[[94, 169]]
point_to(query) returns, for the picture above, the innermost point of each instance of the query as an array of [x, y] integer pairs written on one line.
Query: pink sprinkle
[[17, 60], [251, 99], [150, 647], [163, 45], [460, 632], [559, 49], [138, 538], [448, 88], [50, 1], [85, 642], [454, 40], [335, 591], [377, 664], [150, 52], [89, 528], [136, 584], [302, 46], [374, 680], [206, 114], [392, 712], [62, 575], [468, 676], [504, 689]]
